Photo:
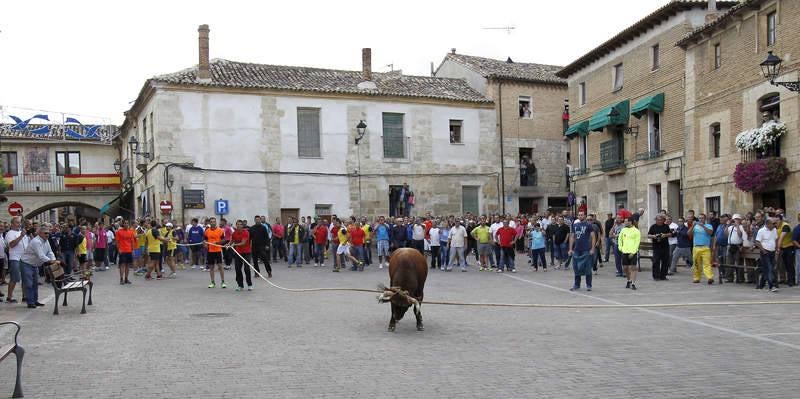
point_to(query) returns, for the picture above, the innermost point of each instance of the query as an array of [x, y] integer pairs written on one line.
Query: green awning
[[580, 128], [615, 114], [653, 103]]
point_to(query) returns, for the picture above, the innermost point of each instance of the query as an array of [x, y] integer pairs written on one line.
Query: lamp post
[[361, 129], [133, 144], [117, 165], [771, 68]]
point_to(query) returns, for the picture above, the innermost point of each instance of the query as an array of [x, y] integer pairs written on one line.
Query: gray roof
[[226, 73], [499, 69]]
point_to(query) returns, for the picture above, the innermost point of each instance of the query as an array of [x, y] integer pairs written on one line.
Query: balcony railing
[[52, 183], [649, 155], [579, 172], [611, 164]]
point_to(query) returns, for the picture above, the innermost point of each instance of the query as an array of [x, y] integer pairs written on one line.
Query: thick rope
[[520, 305]]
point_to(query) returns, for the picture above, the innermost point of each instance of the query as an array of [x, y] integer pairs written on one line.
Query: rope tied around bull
[[389, 292]]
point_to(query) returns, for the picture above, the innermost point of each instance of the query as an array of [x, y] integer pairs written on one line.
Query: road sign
[[15, 209], [166, 206], [194, 199], [221, 206]]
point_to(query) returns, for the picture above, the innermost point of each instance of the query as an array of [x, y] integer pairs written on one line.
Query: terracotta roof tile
[[498, 69]]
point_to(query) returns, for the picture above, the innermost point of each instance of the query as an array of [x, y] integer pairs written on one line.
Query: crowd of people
[[157, 249]]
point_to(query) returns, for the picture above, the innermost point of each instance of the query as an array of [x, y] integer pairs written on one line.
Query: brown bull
[[407, 273]]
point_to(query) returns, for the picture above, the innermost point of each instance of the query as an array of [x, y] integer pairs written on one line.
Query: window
[[619, 198], [394, 141], [770, 108], [308, 137], [717, 56], [654, 132], [455, 131], [618, 77], [655, 57], [525, 107], [713, 204], [582, 93], [152, 131], [469, 199], [68, 163], [144, 127], [527, 169], [715, 139], [8, 163], [771, 28], [582, 152]]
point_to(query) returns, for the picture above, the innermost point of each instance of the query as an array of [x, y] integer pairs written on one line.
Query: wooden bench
[[750, 258], [62, 285], [646, 250], [17, 350]]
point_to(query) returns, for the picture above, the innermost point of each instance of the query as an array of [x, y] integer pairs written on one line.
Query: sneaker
[[335, 269], [172, 275], [574, 288], [223, 285], [774, 289], [499, 270], [249, 287], [633, 287], [588, 288], [238, 289], [127, 282], [316, 264], [628, 285], [121, 282], [710, 282], [321, 265], [212, 285], [159, 277], [11, 300], [513, 270], [463, 270], [227, 267]]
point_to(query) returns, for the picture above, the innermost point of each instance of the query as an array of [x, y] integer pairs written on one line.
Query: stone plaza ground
[[179, 339]]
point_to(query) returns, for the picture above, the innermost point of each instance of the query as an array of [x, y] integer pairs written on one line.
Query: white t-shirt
[[767, 238], [15, 253], [457, 236], [494, 227], [434, 234], [417, 232], [674, 239], [736, 234]]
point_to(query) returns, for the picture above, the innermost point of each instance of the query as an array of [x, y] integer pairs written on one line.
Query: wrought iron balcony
[[52, 183], [649, 155], [611, 164]]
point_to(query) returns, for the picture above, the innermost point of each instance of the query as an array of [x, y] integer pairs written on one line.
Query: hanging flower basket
[[760, 137], [760, 175]]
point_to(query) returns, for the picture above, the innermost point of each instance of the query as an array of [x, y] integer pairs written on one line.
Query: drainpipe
[[502, 166]]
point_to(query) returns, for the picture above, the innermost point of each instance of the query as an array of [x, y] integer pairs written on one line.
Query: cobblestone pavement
[[177, 338]]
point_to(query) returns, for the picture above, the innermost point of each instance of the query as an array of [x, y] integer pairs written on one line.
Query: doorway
[[323, 211], [773, 199], [286, 213]]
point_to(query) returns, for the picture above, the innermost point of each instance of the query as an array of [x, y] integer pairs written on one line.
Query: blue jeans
[[608, 248], [68, 257], [617, 260], [507, 260], [768, 268], [582, 266], [357, 252], [561, 251], [295, 254], [30, 282], [498, 255], [319, 253], [444, 252], [368, 253]]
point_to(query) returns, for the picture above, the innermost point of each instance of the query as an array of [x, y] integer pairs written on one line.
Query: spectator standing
[[278, 245], [242, 244], [628, 244], [786, 250], [259, 236], [700, 234], [537, 248], [457, 240], [683, 248], [659, 234], [582, 245], [766, 242], [506, 238]]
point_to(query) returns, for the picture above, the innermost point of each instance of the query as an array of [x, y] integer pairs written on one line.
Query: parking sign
[[221, 206]]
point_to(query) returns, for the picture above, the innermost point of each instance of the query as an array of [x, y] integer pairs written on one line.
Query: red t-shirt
[[244, 237], [506, 236], [320, 234], [357, 236], [335, 233], [126, 240]]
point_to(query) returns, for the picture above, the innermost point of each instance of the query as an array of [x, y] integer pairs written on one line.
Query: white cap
[[737, 216], [169, 224]]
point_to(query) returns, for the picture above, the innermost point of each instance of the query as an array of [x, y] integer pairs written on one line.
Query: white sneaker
[[321, 265], [381, 267], [249, 287]]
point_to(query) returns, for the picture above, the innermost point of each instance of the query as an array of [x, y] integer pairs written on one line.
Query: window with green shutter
[[308, 135], [469, 199], [394, 145]]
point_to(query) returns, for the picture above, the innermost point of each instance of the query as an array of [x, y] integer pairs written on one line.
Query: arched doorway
[[65, 211]]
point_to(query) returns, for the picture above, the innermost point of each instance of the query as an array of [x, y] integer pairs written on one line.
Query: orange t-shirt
[[214, 236], [126, 240]]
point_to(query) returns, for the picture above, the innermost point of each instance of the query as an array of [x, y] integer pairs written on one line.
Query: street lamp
[[361, 128], [771, 68], [117, 165], [134, 146], [632, 130]]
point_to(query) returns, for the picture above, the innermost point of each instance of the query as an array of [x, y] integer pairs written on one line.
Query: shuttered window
[[308, 137], [394, 145], [469, 199]]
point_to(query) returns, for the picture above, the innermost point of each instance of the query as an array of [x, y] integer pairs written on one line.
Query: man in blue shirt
[[684, 248], [582, 244], [194, 235], [381, 232], [701, 254]]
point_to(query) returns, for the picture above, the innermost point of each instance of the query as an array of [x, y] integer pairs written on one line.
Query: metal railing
[[649, 155], [53, 183], [611, 164], [579, 172]]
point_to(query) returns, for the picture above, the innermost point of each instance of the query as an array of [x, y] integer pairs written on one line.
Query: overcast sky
[[90, 58]]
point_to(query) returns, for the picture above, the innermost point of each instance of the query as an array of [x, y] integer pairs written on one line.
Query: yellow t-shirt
[[787, 238], [82, 247], [367, 229], [482, 233], [628, 240], [172, 244], [153, 243], [342, 236], [140, 238]]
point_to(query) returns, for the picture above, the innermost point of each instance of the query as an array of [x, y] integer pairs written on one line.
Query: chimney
[[453, 50], [203, 71], [366, 70], [712, 13], [366, 64]]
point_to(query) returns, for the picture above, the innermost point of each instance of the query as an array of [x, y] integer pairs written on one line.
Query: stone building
[[726, 93], [281, 140], [627, 116], [56, 168], [529, 101]]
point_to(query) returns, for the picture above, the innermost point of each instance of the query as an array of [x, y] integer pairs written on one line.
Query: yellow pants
[[701, 256]]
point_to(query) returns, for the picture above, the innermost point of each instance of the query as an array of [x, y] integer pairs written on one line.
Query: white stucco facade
[[243, 147]]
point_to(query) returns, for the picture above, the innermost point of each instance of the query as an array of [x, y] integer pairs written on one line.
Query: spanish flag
[[92, 180]]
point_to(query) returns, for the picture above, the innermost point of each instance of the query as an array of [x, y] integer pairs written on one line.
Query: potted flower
[[760, 175]]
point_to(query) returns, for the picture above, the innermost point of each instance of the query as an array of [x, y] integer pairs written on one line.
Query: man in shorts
[[215, 239], [171, 248], [344, 249], [628, 245], [17, 241], [154, 238], [126, 242], [483, 237], [381, 234]]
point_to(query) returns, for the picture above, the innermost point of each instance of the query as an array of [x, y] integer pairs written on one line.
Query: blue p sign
[[221, 206]]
